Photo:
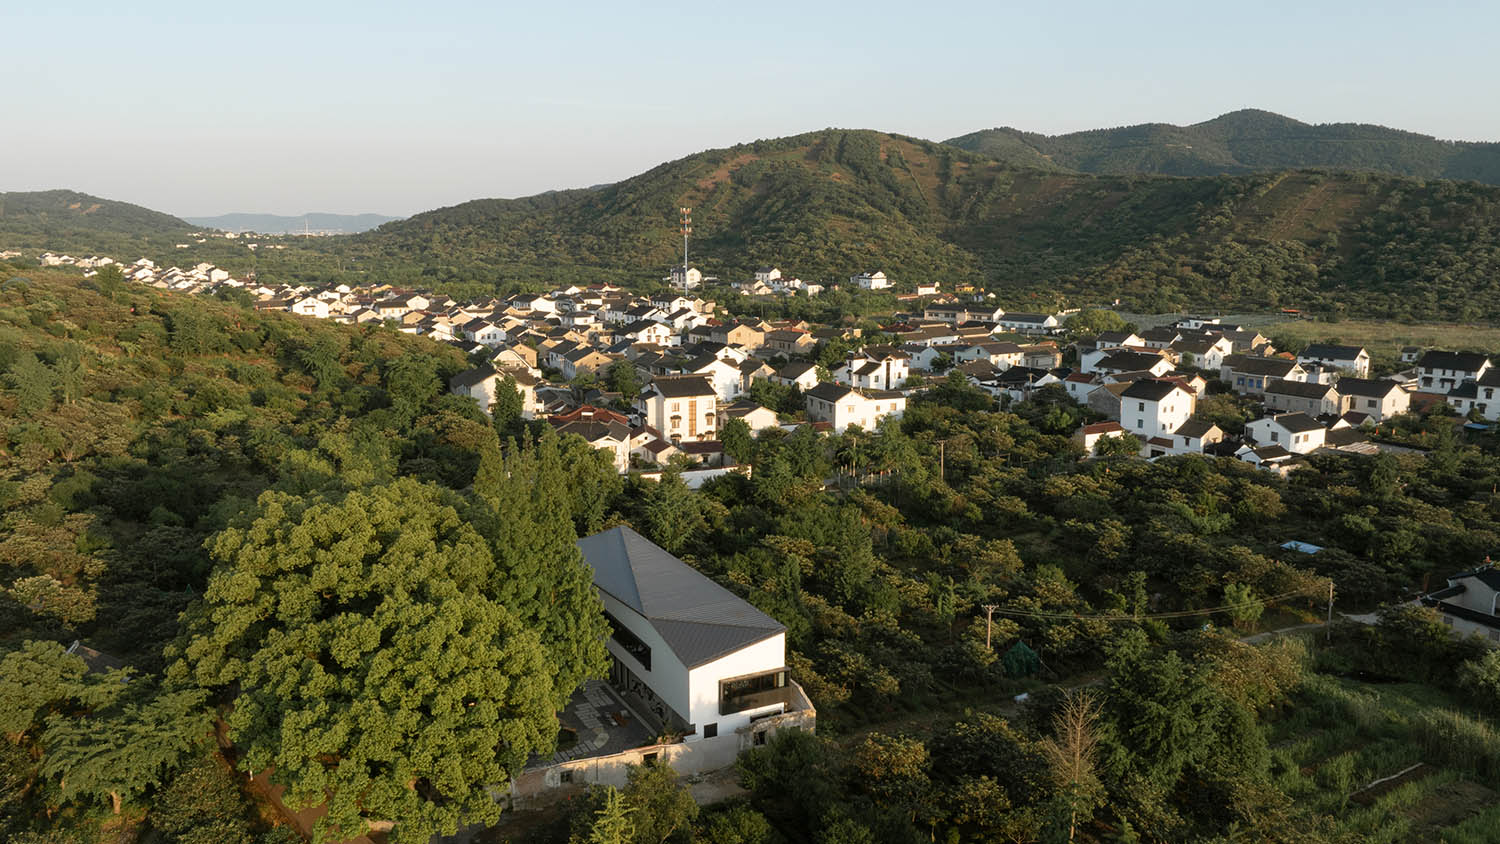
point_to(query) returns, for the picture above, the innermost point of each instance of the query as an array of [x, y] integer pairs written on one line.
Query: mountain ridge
[[1246, 141]]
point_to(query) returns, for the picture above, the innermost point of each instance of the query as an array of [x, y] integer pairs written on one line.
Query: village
[[692, 368]]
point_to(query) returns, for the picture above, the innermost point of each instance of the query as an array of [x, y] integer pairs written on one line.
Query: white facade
[[870, 281], [1147, 417], [1279, 430]]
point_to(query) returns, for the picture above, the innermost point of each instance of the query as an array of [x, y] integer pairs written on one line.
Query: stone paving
[[590, 714]]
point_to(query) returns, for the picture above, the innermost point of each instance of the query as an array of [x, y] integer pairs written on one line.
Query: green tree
[[367, 660], [506, 410], [1123, 445], [1090, 322], [612, 824], [34, 679], [1245, 608], [623, 378], [738, 441], [122, 754], [529, 507], [202, 805], [662, 809], [738, 825], [32, 382], [109, 279]]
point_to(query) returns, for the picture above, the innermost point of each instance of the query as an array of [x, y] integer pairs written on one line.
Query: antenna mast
[[687, 229]]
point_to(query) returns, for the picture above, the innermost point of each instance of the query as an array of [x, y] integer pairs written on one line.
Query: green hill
[[1245, 141], [824, 204], [69, 220]]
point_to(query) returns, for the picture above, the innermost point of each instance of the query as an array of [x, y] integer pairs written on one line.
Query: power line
[[1143, 616]]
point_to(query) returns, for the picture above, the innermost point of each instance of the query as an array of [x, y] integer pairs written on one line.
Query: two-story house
[[1351, 360], [1249, 374], [1478, 396], [1298, 433], [1440, 372], [875, 368], [1377, 398], [1151, 408], [1305, 396], [681, 407], [843, 406]]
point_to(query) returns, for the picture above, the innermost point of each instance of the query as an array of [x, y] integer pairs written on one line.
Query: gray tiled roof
[[700, 620]]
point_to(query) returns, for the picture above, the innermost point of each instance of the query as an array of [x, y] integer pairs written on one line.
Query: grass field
[[1384, 340], [1340, 735]]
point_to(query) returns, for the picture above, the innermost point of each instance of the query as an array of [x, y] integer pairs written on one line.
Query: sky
[[394, 108]]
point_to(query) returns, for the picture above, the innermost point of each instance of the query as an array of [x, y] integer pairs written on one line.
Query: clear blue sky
[[203, 108]]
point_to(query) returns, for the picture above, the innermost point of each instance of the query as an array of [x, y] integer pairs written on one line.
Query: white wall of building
[[703, 684]]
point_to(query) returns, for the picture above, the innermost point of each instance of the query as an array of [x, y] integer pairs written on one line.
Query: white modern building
[[684, 650]]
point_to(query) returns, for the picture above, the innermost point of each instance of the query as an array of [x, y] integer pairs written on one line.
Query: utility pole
[[1328, 628], [943, 460], [989, 617]]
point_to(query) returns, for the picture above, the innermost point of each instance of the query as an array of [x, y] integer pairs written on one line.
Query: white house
[[842, 406], [766, 275], [874, 369], [1154, 408], [1377, 398], [724, 375], [1298, 433], [1352, 360], [1089, 435], [1250, 374], [1470, 604], [874, 280], [1439, 372], [1028, 323], [685, 651], [685, 279], [799, 374], [681, 407], [310, 306], [1478, 396], [481, 385]]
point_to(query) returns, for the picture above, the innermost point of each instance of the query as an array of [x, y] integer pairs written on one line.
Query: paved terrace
[[604, 724]]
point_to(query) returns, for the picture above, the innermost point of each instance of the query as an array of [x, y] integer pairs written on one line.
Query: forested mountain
[[69, 221], [1245, 141], [59, 212], [828, 203], [287, 224]]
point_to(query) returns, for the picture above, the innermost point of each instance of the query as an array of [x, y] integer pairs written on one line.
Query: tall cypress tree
[[527, 513]]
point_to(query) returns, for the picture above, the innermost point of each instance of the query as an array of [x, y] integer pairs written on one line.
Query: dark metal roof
[[1460, 361], [1368, 387], [682, 386], [700, 620], [1151, 389]]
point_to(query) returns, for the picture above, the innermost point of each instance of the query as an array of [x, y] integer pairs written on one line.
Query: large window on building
[[753, 691], [630, 642]]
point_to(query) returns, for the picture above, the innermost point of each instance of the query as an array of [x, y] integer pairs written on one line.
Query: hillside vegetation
[[65, 219], [825, 204], [1244, 141]]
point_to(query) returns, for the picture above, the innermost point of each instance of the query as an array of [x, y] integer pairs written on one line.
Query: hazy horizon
[[352, 109]]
